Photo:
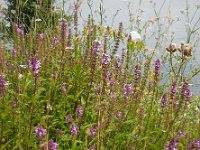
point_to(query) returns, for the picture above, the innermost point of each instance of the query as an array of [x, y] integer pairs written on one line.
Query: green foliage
[[27, 12], [115, 102]]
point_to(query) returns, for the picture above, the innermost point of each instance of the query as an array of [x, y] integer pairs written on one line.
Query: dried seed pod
[[171, 48], [186, 49]]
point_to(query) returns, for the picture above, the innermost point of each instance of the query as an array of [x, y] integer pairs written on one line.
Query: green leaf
[[140, 45]]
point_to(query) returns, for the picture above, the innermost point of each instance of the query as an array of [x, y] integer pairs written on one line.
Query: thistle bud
[[171, 48]]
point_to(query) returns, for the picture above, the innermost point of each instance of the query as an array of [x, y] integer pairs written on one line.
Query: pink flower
[[40, 131], [34, 65]]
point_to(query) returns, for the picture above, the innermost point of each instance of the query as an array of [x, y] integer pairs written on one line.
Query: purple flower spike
[[112, 83], [34, 65], [118, 63], [137, 72], [3, 83], [55, 42], [186, 90], [52, 145], [14, 53], [20, 30], [64, 88], [69, 118], [173, 93], [181, 134], [106, 59], [93, 131], [79, 110], [195, 145], [158, 64], [96, 48], [119, 115], [164, 101], [174, 88], [13, 104], [41, 36], [63, 26], [73, 129], [157, 68], [91, 148], [128, 90], [173, 144], [40, 132], [58, 131]]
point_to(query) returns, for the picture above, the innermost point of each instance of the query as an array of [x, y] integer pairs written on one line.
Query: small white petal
[[38, 20], [135, 36], [22, 66]]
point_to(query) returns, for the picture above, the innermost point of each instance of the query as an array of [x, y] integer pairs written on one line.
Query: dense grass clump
[[68, 89]]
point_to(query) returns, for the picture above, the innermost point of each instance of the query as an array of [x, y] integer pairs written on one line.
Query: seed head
[[172, 48], [186, 49]]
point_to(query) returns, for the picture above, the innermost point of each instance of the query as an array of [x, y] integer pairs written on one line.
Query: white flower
[[38, 20], [23, 66], [13, 11], [62, 19], [7, 24], [135, 36], [54, 9], [69, 48], [20, 76], [49, 107]]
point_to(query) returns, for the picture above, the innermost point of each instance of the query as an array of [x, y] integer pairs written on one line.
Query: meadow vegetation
[[62, 87]]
